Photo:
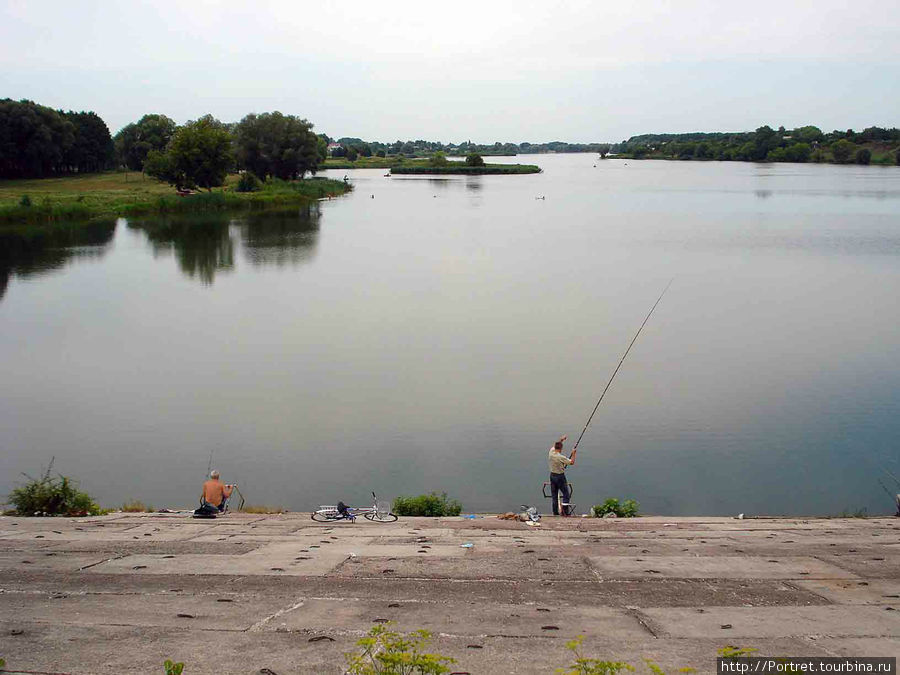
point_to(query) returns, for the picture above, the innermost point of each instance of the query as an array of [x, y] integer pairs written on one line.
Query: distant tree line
[[37, 141], [351, 148], [874, 145]]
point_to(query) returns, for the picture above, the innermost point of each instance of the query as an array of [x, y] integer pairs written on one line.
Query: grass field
[[121, 194]]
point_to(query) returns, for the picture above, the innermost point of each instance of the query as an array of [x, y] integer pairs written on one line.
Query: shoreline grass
[[116, 194]]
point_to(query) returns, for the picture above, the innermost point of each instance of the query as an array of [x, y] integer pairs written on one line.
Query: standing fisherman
[[558, 463]]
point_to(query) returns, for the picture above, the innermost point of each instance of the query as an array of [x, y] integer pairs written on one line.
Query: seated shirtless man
[[215, 493]]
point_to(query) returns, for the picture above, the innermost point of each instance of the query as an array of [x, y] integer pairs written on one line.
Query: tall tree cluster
[[277, 145], [134, 141], [37, 141]]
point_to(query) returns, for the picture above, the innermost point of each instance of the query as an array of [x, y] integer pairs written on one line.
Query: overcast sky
[[484, 70]]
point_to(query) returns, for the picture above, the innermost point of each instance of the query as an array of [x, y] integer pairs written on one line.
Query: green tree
[[92, 147], [199, 155], [764, 140], [798, 152], [439, 158], [134, 141], [34, 140], [273, 144], [603, 149], [842, 150], [474, 159], [863, 156]]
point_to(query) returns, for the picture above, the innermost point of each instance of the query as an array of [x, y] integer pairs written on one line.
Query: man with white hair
[[215, 494]]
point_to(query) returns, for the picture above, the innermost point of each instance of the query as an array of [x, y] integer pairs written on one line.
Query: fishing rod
[[624, 356]]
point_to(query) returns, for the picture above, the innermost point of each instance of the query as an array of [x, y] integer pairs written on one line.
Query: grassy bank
[[412, 166], [48, 200]]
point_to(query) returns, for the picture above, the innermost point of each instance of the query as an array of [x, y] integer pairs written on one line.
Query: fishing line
[[621, 361]]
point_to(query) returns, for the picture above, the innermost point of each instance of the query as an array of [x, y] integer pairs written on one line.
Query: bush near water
[[431, 505], [52, 496], [625, 509]]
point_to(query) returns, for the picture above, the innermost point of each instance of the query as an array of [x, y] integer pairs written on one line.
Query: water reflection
[[205, 246], [280, 239], [34, 252], [202, 244]]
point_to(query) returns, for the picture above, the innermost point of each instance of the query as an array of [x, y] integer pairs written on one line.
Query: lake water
[[431, 333]]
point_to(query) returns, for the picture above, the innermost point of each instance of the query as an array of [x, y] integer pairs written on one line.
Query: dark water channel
[[437, 334]]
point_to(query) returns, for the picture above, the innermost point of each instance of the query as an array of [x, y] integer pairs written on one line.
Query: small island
[[438, 163]]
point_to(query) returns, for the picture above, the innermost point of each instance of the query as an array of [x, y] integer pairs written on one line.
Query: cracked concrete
[[121, 593]]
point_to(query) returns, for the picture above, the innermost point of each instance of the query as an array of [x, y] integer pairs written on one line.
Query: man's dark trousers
[[559, 484]]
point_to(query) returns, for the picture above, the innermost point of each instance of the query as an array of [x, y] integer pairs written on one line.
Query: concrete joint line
[[115, 557], [258, 626], [643, 621]]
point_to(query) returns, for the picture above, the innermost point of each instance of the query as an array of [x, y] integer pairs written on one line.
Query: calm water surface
[[438, 333]]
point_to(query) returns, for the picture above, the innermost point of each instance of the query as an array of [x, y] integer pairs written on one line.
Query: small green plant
[[173, 668], [25, 201], [433, 505], [386, 652], [625, 509], [248, 182], [263, 509], [52, 496], [136, 506], [731, 652], [588, 666]]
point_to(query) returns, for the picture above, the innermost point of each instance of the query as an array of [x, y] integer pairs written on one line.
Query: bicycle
[[376, 513]]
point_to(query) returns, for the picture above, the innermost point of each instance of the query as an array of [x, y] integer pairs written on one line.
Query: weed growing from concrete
[[625, 509], [386, 652], [173, 668], [433, 504], [52, 496]]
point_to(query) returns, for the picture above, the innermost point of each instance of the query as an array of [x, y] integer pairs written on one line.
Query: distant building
[[332, 147]]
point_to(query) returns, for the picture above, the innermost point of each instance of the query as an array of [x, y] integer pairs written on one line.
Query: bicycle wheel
[[380, 517], [323, 516]]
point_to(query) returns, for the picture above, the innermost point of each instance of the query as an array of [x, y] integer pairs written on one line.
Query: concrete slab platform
[[49, 561], [297, 565], [474, 565], [855, 592], [203, 612], [291, 580], [769, 622], [457, 619], [724, 567]]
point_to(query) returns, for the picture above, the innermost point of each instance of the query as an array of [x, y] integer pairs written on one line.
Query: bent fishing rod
[[621, 361]]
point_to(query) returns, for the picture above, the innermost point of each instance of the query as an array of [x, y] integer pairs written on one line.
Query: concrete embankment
[[244, 593]]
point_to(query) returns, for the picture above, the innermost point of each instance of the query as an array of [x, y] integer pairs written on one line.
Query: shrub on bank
[[53, 496], [248, 182], [625, 509], [432, 505]]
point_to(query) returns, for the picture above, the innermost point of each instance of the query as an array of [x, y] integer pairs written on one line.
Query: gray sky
[[485, 71]]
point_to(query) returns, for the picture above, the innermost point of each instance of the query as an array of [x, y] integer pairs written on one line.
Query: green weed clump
[[173, 668], [386, 652], [589, 666], [136, 506], [433, 505], [625, 509], [263, 509], [52, 496]]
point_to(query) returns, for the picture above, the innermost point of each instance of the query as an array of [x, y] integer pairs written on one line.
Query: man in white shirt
[[558, 463]]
